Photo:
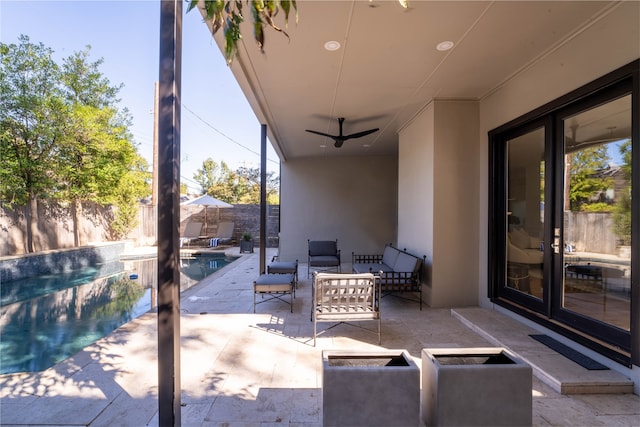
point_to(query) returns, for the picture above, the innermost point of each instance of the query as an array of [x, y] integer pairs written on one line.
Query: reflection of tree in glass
[[622, 210], [586, 183], [125, 294]]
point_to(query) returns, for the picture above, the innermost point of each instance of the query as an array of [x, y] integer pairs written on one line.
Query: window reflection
[[597, 213], [525, 214]]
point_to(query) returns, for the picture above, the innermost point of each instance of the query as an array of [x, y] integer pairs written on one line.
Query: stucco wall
[[438, 199], [352, 199], [415, 191], [601, 48]]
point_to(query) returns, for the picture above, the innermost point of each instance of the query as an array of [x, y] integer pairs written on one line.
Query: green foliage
[[597, 207], [622, 219], [32, 120], [125, 293], [241, 186], [228, 15], [585, 181], [130, 188], [63, 135], [184, 188], [622, 210]]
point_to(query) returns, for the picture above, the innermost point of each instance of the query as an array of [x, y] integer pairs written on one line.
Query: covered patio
[[240, 368], [438, 81]]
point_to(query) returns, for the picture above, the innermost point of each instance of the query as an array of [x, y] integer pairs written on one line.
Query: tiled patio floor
[[245, 369]]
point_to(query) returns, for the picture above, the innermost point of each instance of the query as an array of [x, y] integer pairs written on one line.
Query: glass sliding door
[[564, 209], [524, 243], [595, 254]]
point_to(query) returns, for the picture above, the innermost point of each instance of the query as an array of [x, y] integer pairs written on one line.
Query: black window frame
[[604, 88]]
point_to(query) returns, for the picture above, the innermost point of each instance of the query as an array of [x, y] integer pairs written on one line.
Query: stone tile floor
[[245, 369]]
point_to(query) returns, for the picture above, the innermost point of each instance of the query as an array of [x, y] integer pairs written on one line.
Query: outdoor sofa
[[397, 270]]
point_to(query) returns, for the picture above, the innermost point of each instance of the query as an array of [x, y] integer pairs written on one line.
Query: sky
[[217, 121]]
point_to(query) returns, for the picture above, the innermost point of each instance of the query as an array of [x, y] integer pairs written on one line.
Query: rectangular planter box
[[380, 388], [475, 387]]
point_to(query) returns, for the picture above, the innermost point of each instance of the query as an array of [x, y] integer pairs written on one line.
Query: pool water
[[46, 319]]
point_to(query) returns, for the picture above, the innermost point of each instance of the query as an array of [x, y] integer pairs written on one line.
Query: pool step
[[552, 368]]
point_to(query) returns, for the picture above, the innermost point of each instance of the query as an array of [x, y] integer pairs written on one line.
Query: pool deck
[[245, 369]]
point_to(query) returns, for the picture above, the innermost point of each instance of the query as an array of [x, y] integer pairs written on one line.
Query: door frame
[[548, 314]]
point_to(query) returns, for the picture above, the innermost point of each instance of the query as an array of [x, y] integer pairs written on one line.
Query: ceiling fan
[[340, 139]]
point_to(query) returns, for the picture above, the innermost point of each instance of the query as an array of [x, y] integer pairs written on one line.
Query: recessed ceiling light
[[366, 145], [323, 146], [446, 45], [332, 45]]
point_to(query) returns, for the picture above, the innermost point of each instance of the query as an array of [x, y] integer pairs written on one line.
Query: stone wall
[[99, 258]]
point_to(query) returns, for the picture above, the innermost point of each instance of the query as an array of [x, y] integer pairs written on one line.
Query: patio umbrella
[[207, 201]]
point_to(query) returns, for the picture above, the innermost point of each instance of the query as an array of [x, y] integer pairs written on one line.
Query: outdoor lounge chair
[[323, 255], [191, 232], [224, 236], [345, 298]]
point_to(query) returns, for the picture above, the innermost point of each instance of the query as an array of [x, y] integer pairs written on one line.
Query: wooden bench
[[345, 298], [397, 270]]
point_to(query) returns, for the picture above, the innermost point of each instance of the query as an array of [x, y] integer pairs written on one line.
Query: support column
[[263, 198], [168, 132]]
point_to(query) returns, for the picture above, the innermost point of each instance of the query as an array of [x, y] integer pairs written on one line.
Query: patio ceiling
[[388, 68]]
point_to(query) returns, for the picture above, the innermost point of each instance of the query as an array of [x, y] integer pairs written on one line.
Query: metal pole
[[263, 198], [169, 213]]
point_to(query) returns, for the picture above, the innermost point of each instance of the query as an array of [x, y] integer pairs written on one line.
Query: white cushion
[[520, 238], [390, 255]]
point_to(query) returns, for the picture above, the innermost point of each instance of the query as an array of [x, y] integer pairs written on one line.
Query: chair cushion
[[406, 263], [371, 267], [390, 255], [282, 267], [520, 238], [274, 283], [323, 247], [324, 261]]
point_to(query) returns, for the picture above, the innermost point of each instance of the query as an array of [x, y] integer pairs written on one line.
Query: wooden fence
[[55, 228]]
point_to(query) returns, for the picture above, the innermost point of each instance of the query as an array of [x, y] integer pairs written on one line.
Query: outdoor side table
[[276, 286]]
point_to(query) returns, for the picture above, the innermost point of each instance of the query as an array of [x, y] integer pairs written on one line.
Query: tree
[[32, 121], [97, 162], [239, 186], [63, 137], [585, 181], [622, 210], [228, 15]]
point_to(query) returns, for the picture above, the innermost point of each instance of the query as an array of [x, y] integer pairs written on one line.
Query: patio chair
[[345, 298], [323, 255], [192, 231], [224, 236]]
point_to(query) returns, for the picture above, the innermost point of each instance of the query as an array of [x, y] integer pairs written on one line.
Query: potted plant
[[246, 244]]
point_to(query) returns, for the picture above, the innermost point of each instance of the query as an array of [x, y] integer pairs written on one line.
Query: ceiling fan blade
[[321, 133], [360, 134]]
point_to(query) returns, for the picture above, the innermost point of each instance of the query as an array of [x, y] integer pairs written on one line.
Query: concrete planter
[[475, 386], [246, 246], [379, 388]]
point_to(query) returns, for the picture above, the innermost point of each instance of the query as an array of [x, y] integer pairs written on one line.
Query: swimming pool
[[48, 318]]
